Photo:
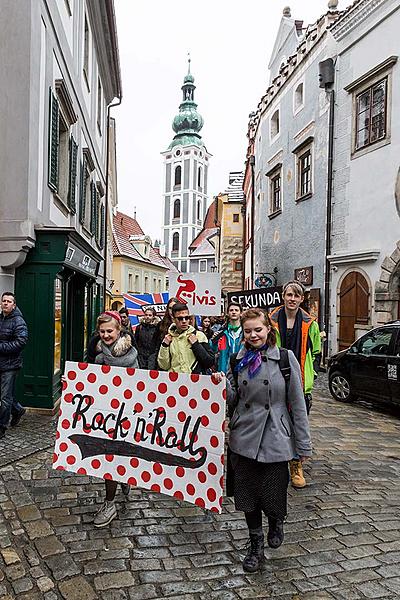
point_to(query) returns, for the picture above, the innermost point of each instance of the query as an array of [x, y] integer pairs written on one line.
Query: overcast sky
[[230, 43]]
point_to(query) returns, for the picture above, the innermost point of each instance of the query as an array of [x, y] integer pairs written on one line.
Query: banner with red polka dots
[[156, 430]]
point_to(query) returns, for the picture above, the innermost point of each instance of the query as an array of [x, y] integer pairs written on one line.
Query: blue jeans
[[9, 405]]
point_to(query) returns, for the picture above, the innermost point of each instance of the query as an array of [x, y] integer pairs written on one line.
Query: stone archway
[[387, 289]]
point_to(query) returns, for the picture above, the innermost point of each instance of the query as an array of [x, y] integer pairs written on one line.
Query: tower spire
[[188, 122]]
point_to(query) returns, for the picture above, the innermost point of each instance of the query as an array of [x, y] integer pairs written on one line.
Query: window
[[130, 282], [298, 98], [199, 210], [146, 284], [238, 265], [177, 209], [178, 176], [86, 191], [371, 107], [86, 47], [99, 105], [175, 242], [199, 178], [202, 266], [377, 342], [274, 125], [57, 323], [63, 150], [137, 284], [235, 217], [275, 197], [304, 173]]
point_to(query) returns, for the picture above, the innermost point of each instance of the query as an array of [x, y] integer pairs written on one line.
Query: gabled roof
[[124, 227], [208, 226]]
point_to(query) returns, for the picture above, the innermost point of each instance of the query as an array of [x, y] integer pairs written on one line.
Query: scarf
[[295, 339], [253, 360]]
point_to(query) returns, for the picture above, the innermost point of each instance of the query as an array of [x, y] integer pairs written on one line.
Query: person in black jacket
[[145, 336], [13, 338]]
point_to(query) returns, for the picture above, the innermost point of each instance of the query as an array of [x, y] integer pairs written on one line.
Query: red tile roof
[[125, 226], [209, 223]]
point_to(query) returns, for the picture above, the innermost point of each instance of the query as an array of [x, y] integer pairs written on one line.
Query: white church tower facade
[[185, 180]]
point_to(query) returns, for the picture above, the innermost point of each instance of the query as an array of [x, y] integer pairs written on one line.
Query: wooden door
[[353, 307]]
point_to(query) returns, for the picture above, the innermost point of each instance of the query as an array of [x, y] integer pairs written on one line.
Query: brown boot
[[296, 474]]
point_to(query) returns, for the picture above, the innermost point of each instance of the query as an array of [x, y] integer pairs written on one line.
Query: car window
[[377, 342]]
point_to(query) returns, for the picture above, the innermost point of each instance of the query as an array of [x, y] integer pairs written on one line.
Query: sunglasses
[[182, 318]]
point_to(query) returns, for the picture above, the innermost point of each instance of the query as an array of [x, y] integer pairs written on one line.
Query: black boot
[[275, 532], [255, 555]]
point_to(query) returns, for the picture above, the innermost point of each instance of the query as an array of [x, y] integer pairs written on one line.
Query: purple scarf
[[252, 359]]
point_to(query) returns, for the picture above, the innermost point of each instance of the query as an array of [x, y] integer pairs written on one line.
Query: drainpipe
[[328, 234], [252, 162], [107, 198], [243, 211]]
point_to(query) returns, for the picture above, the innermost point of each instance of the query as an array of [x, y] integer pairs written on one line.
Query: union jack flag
[[137, 304]]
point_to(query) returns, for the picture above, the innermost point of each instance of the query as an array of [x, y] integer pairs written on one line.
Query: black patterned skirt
[[260, 485]]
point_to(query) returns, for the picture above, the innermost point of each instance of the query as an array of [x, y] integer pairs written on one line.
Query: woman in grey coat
[[263, 436], [114, 348]]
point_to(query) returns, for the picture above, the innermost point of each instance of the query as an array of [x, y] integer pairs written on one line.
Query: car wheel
[[339, 387]]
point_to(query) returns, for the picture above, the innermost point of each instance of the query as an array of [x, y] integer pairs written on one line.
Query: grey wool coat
[[260, 427]]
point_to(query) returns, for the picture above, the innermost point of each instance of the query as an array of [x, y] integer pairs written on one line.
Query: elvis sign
[[200, 291], [156, 430]]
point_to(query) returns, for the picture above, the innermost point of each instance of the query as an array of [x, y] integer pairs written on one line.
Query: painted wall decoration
[[156, 430], [200, 291], [137, 304]]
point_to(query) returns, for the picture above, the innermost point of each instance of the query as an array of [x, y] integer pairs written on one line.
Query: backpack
[[284, 367]]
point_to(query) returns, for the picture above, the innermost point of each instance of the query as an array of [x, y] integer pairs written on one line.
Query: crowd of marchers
[[268, 361]]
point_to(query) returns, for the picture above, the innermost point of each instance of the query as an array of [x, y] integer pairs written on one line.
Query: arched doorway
[[353, 307]]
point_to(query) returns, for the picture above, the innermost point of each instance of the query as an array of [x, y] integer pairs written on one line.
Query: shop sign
[[200, 291], [304, 275], [160, 431], [77, 259], [267, 298], [136, 304]]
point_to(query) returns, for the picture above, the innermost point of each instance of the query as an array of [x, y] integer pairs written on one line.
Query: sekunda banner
[[265, 298], [152, 429]]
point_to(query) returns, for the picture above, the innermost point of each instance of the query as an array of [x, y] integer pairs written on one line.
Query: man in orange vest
[[298, 331]]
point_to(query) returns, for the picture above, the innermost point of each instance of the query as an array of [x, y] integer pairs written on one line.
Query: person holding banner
[[263, 437], [145, 334], [298, 331], [183, 349], [229, 340], [113, 348]]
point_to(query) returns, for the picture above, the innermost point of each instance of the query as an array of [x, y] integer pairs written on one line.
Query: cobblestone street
[[342, 532]]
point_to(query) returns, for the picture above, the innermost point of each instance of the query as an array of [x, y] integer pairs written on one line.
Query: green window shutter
[[82, 192], [54, 141], [102, 226], [93, 205], [73, 159]]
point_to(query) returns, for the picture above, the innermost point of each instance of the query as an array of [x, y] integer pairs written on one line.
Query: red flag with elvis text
[[160, 431]]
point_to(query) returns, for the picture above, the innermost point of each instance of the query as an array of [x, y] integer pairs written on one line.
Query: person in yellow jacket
[[183, 349], [298, 331]]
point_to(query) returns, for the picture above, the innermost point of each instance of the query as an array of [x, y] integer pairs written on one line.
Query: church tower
[[185, 180]]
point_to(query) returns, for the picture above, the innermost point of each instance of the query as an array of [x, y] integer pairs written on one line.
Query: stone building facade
[[230, 247], [365, 257], [60, 61], [286, 181]]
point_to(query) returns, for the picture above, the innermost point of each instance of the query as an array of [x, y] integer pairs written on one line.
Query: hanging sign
[[304, 275], [156, 430], [266, 298], [137, 304], [200, 291]]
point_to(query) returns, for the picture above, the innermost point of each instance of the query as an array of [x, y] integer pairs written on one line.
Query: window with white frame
[[99, 106], [86, 51], [304, 172], [275, 124], [202, 266], [275, 190], [371, 93], [370, 115]]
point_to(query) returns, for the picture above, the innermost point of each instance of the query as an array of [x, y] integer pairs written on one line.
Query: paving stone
[[393, 585], [77, 588], [143, 592], [22, 585], [114, 580], [62, 566], [38, 529], [372, 589], [10, 556], [45, 584], [183, 587], [104, 566], [29, 513], [47, 546]]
